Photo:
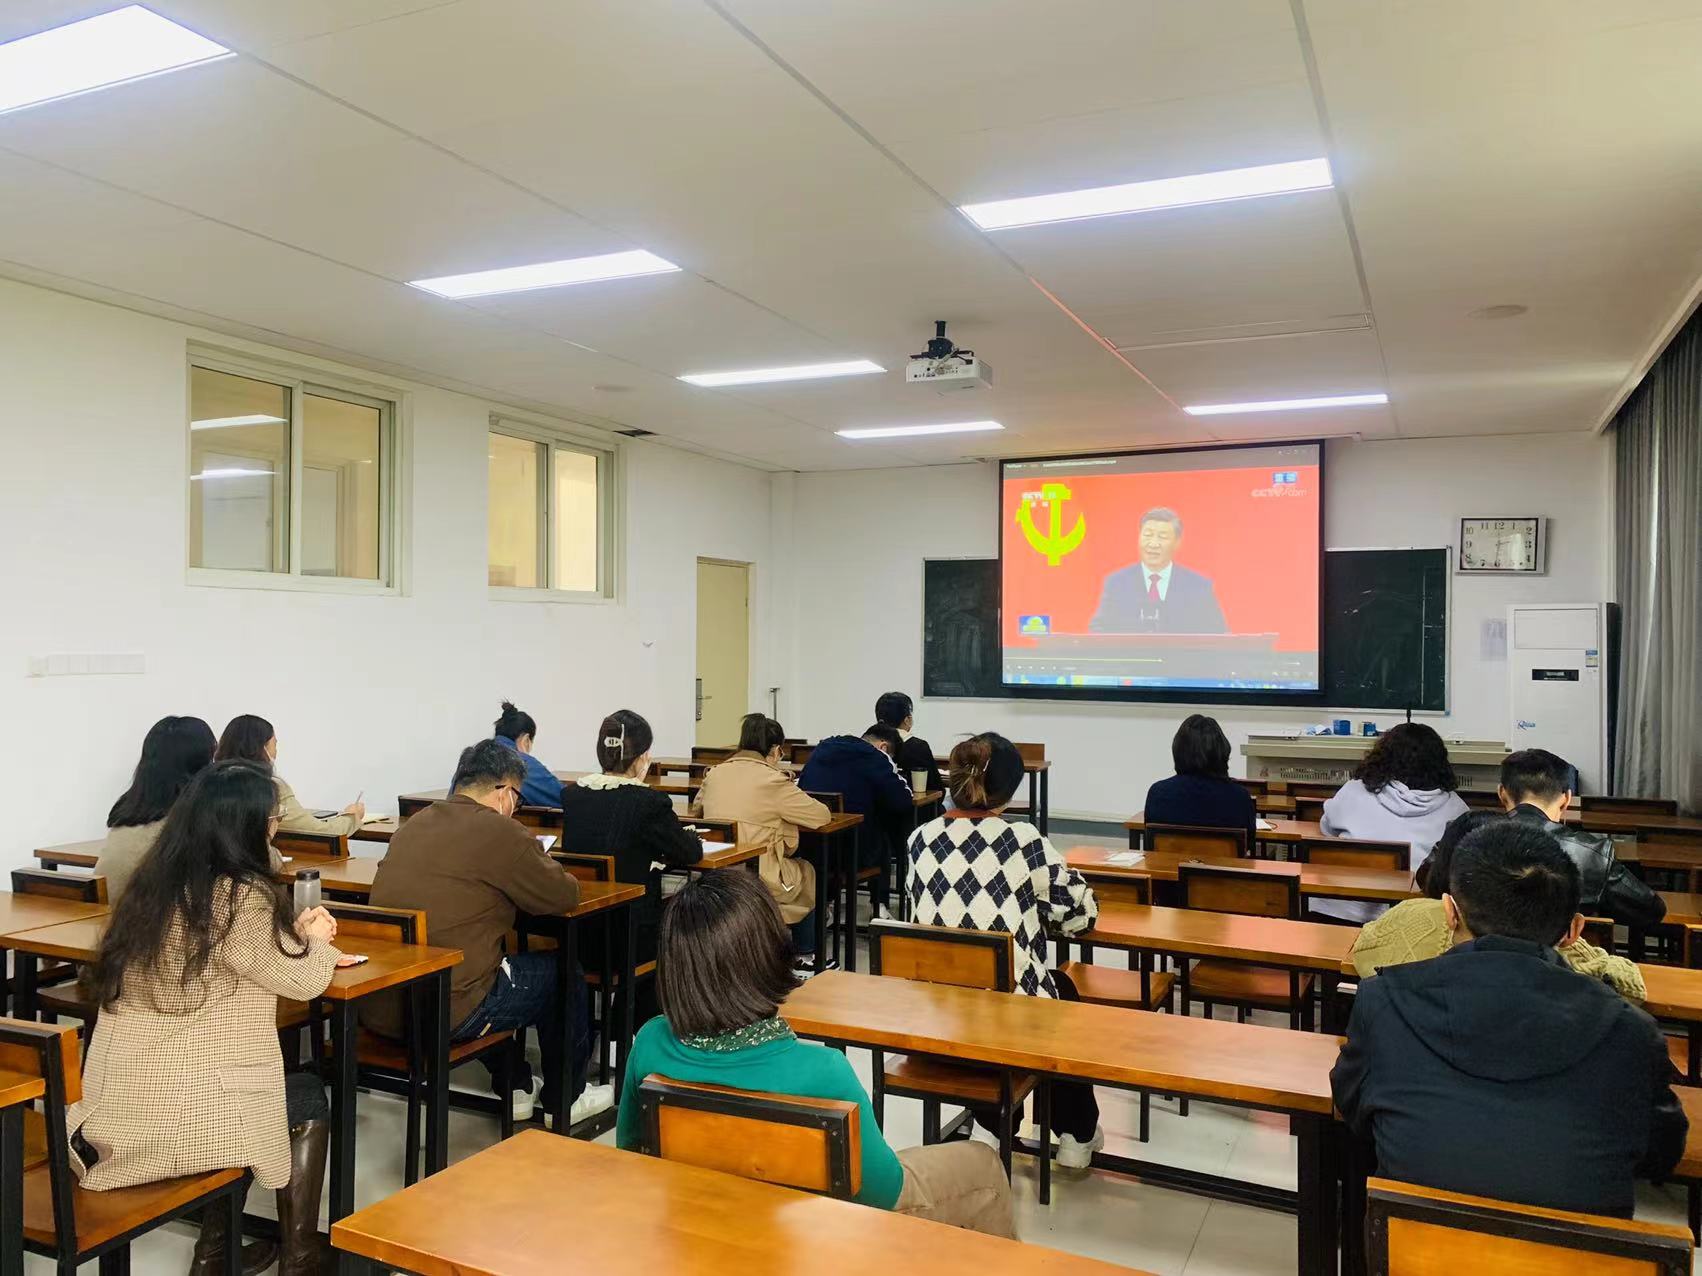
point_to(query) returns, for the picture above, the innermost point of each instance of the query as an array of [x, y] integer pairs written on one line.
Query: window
[[550, 513], [288, 479]]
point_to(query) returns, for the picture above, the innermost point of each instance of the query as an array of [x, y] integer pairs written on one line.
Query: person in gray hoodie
[[1402, 792]]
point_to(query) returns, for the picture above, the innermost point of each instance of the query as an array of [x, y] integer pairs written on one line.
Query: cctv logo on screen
[[1283, 483]]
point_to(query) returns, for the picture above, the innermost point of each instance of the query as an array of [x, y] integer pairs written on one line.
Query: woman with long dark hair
[[1201, 792], [174, 752], [183, 1073], [250, 738]]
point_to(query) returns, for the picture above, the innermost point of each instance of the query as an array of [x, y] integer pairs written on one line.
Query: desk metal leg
[[437, 1074], [23, 985], [343, 1088], [12, 1191], [571, 1078], [1317, 1195], [1329, 988], [1045, 809], [850, 862], [824, 892], [629, 995]]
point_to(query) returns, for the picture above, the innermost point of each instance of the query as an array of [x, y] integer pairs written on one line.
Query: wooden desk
[[1245, 1065], [16, 1090], [1039, 788], [1287, 831], [387, 966], [1641, 825], [748, 853], [71, 854], [23, 913], [833, 848], [1317, 881], [376, 830], [636, 1215], [1684, 908]]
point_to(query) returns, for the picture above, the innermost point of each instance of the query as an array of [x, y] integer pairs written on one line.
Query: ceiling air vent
[[636, 434]]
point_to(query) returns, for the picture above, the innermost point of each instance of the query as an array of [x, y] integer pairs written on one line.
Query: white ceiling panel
[[1288, 367]]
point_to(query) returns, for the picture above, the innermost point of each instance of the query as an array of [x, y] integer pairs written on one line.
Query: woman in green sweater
[[723, 966]]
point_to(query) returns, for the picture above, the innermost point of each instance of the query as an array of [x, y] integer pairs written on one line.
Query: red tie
[[1152, 587]]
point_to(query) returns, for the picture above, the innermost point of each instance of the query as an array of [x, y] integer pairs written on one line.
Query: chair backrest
[[49, 1051], [1186, 839], [365, 921], [539, 817], [1312, 788], [1599, 931], [1689, 838], [1692, 946], [1219, 888], [943, 955], [714, 830], [1031, 752], [802, 753], [1258, 788], [834, 802], [289, 845], [410, 804], [1481, 799], [706, 754], [1628, 805], [1417, 1231], [1118, 888], [810, 1144], [89, 889], [1352, 852], [1309, 810], [587, 868]]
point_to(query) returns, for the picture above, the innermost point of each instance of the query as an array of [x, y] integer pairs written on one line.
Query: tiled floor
[[1104, 1215]]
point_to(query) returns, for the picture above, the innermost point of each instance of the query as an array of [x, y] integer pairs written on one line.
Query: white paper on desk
[[711, 847], [1125, 859], [1264, 826], [546, 840]]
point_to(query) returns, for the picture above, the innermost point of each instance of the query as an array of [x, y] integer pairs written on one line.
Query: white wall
[[366, 693], [859, 540]]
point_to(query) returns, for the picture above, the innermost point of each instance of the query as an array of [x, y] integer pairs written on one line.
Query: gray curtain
[[1658, 490]]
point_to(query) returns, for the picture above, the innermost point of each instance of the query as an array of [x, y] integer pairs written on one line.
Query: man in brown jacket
[[472, 869]]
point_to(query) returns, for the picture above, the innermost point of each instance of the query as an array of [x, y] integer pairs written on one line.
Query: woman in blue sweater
[[1201, 792]]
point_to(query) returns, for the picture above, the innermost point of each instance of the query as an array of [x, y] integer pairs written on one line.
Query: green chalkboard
[[1385, 629]]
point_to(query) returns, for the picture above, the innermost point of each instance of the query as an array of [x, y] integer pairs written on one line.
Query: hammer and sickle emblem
[[1054, 543]]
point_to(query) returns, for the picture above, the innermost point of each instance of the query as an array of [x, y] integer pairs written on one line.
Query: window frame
[[556, 437], [301, 380]]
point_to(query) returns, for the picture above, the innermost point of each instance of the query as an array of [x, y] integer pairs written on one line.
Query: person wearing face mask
[[473, 869], [250, 738]]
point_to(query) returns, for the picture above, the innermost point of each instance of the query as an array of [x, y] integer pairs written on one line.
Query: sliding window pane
[[239, 473], [516, 514], [340, 474], [576, 521]]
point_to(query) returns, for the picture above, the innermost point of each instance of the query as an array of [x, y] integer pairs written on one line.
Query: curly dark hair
[[1411, 753]]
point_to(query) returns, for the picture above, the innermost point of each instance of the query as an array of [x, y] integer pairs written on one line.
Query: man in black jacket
[[1535, 789], [1495, 1069], [861, 771], [896, 710]]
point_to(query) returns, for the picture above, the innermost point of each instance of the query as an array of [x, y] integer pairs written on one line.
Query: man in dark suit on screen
[[1158, 595]]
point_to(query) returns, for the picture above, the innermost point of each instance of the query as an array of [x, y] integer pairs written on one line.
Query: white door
[[723, 650]]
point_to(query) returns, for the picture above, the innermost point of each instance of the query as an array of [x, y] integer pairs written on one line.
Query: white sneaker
[[592, 1100], [526, 1101], [1072, 1154]]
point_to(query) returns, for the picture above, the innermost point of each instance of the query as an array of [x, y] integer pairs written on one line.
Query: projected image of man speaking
[[1158, 595]]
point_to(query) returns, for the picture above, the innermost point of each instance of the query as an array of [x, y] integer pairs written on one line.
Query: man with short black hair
[[860, 769], [472, 868], [896, 710], [1495, 1069], [1536, 789]]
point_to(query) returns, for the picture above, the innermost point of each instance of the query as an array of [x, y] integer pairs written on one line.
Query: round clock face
[[1498, 544]]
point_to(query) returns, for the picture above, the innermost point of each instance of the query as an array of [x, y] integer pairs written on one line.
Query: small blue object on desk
[[1344, 726], [1367, 728]]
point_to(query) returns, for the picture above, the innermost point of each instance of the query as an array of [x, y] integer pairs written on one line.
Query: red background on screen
[[1260, 551]]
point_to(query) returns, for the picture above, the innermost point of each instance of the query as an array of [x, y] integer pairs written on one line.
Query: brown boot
[[211, 1244], [304, 1250]]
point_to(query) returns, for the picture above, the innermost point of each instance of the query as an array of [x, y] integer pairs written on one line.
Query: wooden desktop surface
[[20, 914], [1264, 940], [1331, 881], [354, 876], [1280, 830], [634, 1215], [1684, 908], [1675, 992], [1690, 1164], [19, 1087], [1175, 1054], [72, 854]]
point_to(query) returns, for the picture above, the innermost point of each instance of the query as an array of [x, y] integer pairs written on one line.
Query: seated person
[[250, 738], [723, 970], [518, 731], [1494, 1069], [896, 710], [1404, 791], [770, 808], [1008, 877], [174, 752], [1417, 929], [473, 869], [861, 771], [1535, 788], [618, 814], [184, 1074], [1201, 792]]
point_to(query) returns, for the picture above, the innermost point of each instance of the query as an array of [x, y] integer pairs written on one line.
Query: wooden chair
[[70, 1225], [1258, 788], [1311, 788], [710, 756], [1030, 753], [407, 805], [1186, 839], [586, 868], [57, 990], [813, 1145], [834, 802], [1417, 1231], [544, 819], [714, 830], [1596, 804], [1481, 799], [1352, 852], [1309, 810], [801, 754], [964, 959], [290, 845], [1687, 1061], [1689, 1168], [597, 868], [1220, 889]]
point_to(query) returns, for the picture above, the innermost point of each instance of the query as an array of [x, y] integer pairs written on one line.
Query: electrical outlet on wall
[[67, 664]]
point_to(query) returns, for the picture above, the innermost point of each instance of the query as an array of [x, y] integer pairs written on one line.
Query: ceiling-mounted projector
[[944, 367]]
